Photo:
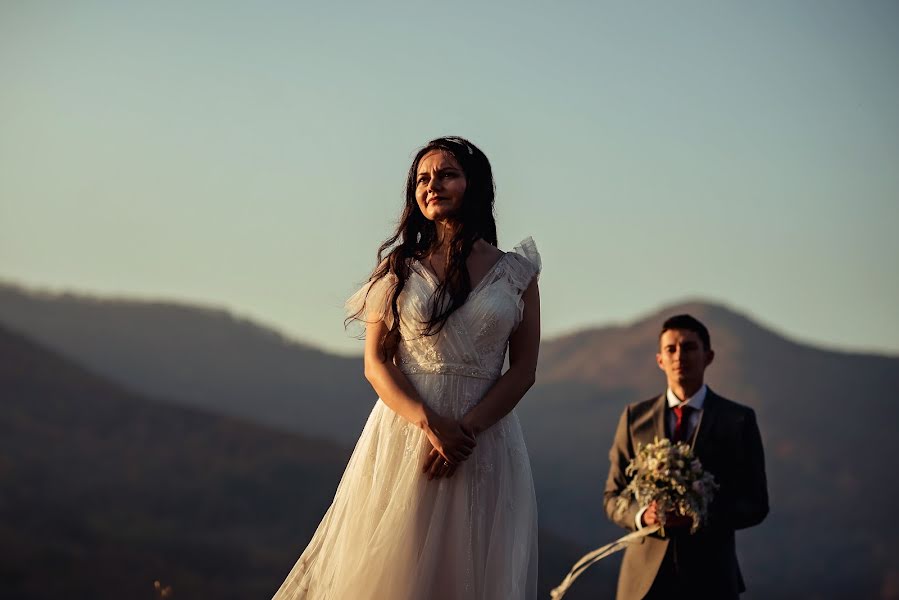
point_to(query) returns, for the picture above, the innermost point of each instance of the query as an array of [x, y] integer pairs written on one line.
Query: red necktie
[[682, 414]]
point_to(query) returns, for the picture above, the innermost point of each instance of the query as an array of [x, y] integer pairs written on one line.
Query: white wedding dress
[[390, 533]]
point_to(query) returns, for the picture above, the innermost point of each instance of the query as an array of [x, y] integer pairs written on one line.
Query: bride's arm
[[524, 345], [450, 439]]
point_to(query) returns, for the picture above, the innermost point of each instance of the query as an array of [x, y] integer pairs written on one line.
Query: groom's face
[[683, 356]]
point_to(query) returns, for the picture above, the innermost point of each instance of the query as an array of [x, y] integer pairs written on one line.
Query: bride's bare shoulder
[[487, 253]]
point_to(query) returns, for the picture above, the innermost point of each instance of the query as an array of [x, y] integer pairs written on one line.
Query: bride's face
[[440, 185]]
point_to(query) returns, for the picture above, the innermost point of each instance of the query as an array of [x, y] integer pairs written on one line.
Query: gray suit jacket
[[728, 443]]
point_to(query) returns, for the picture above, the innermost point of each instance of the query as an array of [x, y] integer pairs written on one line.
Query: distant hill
[[826, 418], [103, 491], [817, 409], [202, 357]]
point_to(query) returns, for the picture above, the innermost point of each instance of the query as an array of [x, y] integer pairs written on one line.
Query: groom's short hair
[[688, 323]]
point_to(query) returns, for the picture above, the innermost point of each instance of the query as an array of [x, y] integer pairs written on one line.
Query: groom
[[725, 437]]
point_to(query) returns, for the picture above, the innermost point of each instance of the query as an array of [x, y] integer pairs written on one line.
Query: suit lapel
[[658, 417], [650, 423], [706, 422]]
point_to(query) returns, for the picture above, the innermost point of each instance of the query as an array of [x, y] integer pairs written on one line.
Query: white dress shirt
[[695, 402]]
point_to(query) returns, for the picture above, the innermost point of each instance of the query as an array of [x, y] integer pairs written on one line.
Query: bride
[[437, 501]]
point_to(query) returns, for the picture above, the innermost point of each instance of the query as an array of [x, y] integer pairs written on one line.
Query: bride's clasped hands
[[452, 443]]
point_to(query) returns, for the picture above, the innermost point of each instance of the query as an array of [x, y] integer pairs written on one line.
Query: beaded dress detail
[[392, 534]]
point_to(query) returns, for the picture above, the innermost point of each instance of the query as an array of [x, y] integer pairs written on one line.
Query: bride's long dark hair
[[416, 237]]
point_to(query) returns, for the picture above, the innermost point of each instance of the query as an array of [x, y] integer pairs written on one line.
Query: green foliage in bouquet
[[669, 474]]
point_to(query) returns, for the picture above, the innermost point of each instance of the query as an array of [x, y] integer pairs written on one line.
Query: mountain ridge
[[110, 490], [819, 461], [213, 308]]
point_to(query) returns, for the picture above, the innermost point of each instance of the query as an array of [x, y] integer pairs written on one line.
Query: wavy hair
[[416, 237]]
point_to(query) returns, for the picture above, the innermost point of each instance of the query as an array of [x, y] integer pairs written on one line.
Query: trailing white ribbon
[[593, 557]]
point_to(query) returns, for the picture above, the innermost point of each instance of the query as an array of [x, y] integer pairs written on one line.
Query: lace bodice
[[473, 341]]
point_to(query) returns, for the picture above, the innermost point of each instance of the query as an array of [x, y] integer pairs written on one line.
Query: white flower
[[672, 476]]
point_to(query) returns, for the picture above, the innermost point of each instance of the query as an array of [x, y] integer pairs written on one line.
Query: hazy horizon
[[253, 157], [340, 351]]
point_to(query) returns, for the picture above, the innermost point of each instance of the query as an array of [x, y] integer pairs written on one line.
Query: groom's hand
[[672, 520], [650, 515]]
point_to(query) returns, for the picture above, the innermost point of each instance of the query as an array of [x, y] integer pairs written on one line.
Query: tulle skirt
[[392, 534]]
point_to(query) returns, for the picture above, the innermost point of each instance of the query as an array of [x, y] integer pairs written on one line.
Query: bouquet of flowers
[[663, 472], [670, 475]]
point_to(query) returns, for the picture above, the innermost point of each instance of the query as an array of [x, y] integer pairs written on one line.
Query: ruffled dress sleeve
[[522, 267], [371, 304], [524, 264]]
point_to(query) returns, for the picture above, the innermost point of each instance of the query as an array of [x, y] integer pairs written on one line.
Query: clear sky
[[251, 155]]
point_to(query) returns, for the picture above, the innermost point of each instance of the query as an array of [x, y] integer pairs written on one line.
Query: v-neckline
[[432, 277]]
